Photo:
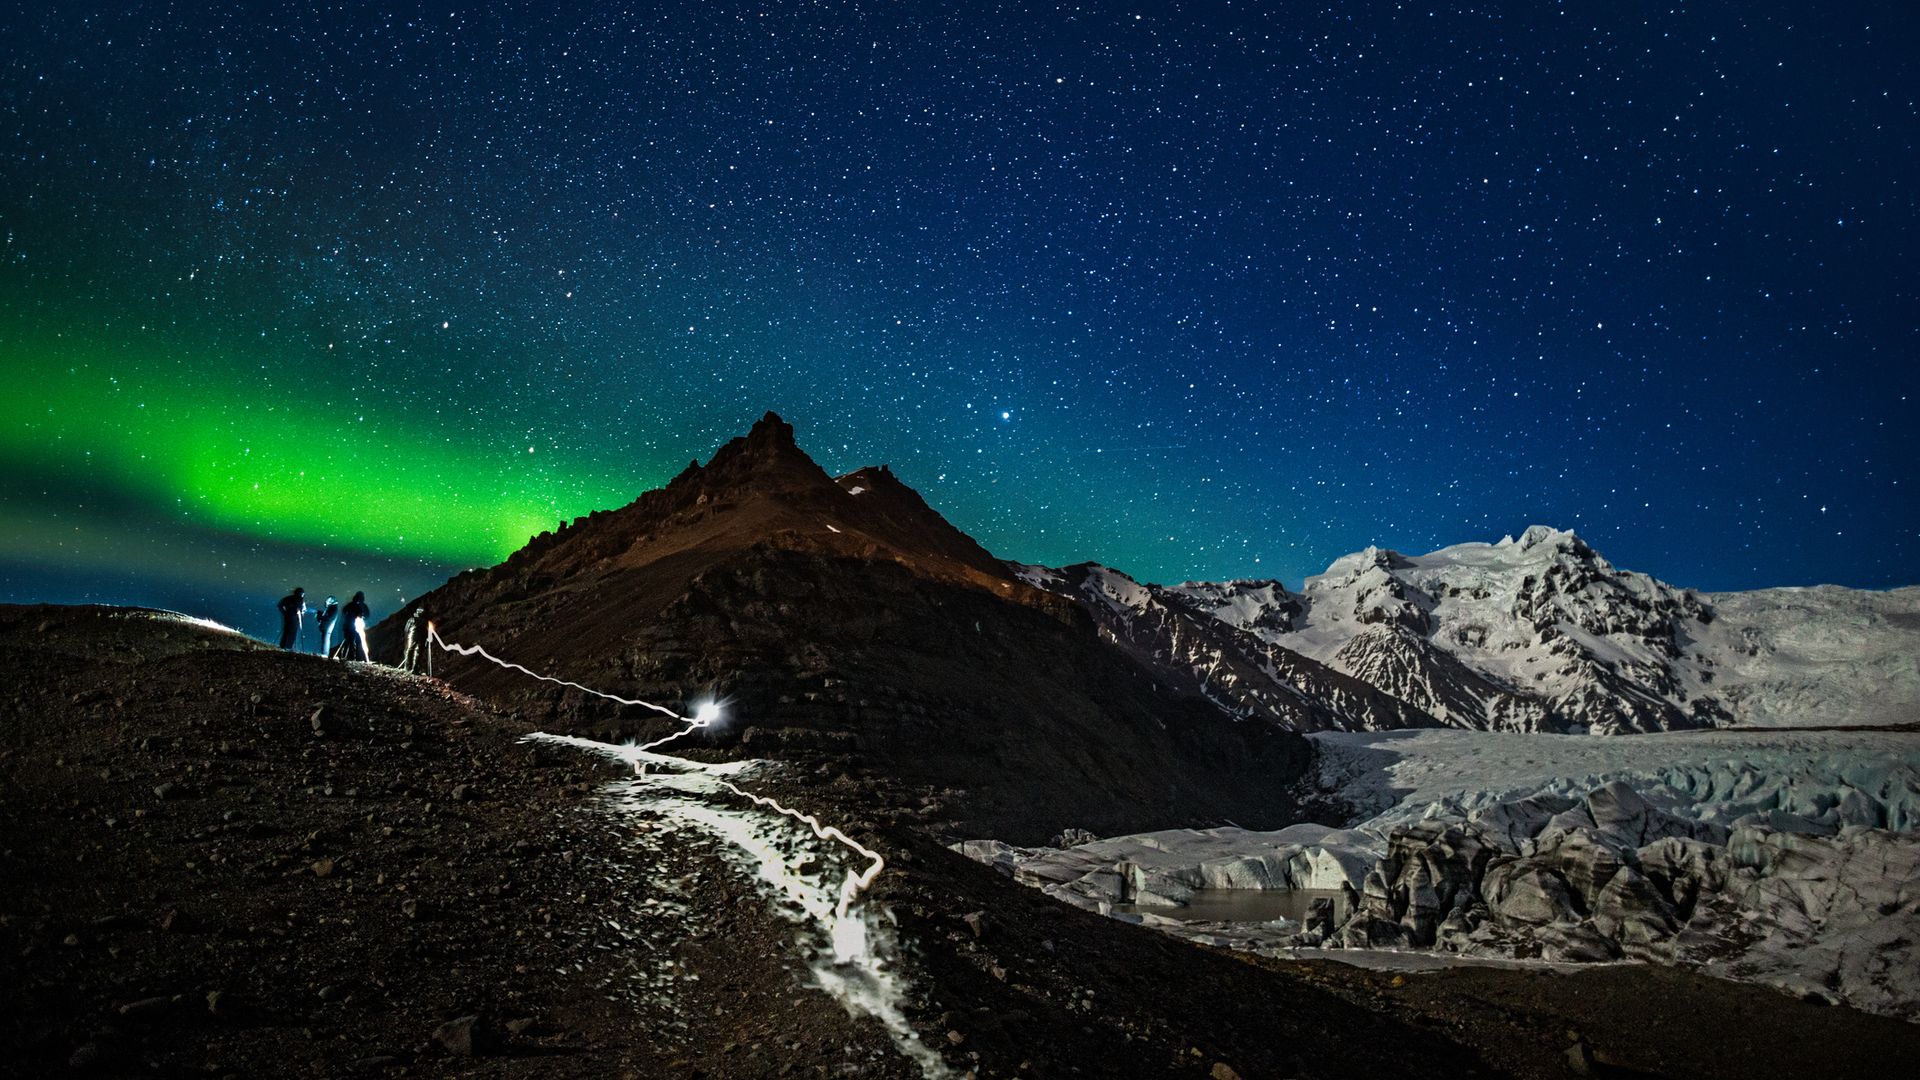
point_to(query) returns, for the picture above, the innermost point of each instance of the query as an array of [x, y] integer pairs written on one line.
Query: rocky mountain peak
[[766, 458], [771, 435]]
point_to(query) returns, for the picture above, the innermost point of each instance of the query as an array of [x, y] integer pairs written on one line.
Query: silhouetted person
[[356, 614], [292, 606], [325, 622], [416, 636]]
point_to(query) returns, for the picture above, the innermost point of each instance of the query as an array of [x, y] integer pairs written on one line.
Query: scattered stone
[[146, 1007], [462, 1037], [89, 1057], [977, 922], [1223, 1071], [322, 868]]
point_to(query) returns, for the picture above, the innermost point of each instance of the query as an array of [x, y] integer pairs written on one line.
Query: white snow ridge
[[1535, 634]]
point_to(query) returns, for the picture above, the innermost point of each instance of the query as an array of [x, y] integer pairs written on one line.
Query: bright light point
[[707, 714], [1006, 416]]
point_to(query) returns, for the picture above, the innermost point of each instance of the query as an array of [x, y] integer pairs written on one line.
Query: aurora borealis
[[353, 299]]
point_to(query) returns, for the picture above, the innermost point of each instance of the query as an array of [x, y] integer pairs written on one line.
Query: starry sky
[[355, 298]]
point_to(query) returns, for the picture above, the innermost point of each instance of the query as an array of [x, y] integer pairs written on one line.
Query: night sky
[[353, 300]]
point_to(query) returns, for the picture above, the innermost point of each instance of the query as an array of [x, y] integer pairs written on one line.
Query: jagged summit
[[766, 456], [762, 490]]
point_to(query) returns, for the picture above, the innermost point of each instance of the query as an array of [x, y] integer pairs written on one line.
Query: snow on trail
[[851, 950]]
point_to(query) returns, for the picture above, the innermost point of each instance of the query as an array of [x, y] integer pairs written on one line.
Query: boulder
[[1462, 920], [465, 1036], [1363, 932]]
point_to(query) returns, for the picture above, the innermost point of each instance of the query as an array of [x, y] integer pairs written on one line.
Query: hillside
[[850, 628]]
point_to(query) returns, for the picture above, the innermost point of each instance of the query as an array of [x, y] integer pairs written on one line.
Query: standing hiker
[[416, 635], [324, 622], [292, 606], [355, 631]]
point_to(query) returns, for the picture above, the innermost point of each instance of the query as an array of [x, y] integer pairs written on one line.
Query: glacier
[[1784, 857]]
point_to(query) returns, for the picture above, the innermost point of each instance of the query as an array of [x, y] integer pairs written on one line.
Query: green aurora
[[229, 442]]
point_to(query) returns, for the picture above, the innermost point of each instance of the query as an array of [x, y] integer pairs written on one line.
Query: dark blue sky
[[1200, 291]]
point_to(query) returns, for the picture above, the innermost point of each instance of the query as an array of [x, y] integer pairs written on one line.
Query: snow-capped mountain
[[1543, 634], [1184, 644]]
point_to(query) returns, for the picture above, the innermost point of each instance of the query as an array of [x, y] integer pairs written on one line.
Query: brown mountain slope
[[851, 627]]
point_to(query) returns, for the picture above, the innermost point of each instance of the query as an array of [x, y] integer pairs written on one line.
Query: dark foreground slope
[[195, 880], [850, 627]]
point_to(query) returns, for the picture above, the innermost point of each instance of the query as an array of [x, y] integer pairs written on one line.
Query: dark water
[[1243, 905]]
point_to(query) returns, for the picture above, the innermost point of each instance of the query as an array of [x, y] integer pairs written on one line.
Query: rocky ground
[[219, 859]]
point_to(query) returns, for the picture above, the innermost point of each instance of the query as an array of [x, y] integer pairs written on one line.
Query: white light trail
[[433, 635], [852, 887], [706, 715]]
